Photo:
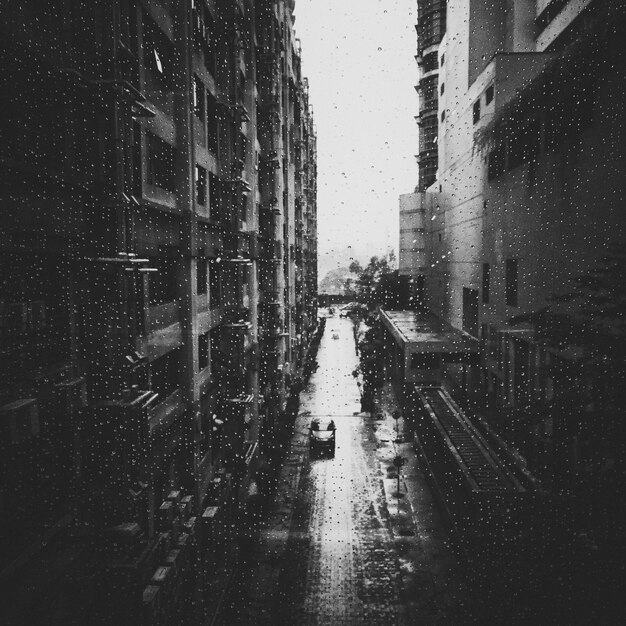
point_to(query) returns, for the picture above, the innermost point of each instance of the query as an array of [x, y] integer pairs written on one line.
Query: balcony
[[163, 315], [428, 106], [237, 245], [271, 206], [235, 317], [270, 160], [165, 412], [237, 183], [242, 399]]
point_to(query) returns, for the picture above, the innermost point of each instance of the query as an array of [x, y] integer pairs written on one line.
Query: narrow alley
[[338, 546]]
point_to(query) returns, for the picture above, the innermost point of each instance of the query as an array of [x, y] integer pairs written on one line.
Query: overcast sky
[[359, 58]]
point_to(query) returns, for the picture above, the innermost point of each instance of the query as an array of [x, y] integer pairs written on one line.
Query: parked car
[[322, 436]]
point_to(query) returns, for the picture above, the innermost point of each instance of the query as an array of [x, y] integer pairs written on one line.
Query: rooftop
[[427, 332]]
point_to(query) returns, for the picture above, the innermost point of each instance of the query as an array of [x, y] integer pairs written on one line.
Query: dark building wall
[[152, 299], [531, 187]]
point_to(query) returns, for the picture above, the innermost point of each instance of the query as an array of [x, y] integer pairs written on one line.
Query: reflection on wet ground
[[328, 554]]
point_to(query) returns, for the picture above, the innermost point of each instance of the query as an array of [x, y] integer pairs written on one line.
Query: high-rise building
[[430, 27], [158, 276], [528, 196]]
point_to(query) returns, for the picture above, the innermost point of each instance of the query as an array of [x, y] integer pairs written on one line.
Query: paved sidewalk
[[433, 579]]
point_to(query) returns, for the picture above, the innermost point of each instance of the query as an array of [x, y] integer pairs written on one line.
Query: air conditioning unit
[[72, 394], [19, 420]]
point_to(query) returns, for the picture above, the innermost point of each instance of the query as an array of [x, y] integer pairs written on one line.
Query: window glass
[[489, 94], [201, 274], [199, 98], [476, 112], [201, 185], [161, 162], [511, 282]]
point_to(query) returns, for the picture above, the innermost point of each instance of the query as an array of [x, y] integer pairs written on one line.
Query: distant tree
[[355, 267], [378, 283], [335, 281], [372, 368], [348, 287]]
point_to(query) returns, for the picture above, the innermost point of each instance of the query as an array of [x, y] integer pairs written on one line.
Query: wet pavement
[[338, 545]]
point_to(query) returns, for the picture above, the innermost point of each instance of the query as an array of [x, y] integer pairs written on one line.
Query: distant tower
[[430, 27]]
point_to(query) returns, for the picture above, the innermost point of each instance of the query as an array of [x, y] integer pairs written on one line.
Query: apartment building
[[528, 195], [158, 280], [430, 27], [412, 258]]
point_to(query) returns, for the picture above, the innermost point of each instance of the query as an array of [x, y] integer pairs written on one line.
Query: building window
[[470, 311], [489, 94], [199, 98], [201, 274], [244, 207], [161, 160], [158, 52], [428, 93], [204, 30], [164, 282], [429, 63], [201, 185], [128, 25], [476, 111], [425, 361], [486, 282], [203, 351], [137, 177], [210, 49], [212, 123], [215, 291], [214, 196], [165, 372], [511, 282]]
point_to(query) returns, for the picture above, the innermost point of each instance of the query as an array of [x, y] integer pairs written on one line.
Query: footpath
[[432, 578]]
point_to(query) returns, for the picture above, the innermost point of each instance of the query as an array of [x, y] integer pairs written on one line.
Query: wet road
[[344, 571], [328, 554]]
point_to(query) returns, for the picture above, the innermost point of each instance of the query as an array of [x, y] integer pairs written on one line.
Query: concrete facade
[[430, 28], [529, 187], [411, 259], [159, 258]]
